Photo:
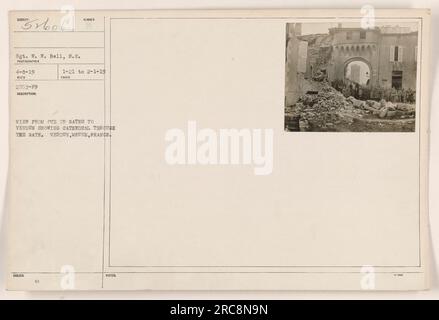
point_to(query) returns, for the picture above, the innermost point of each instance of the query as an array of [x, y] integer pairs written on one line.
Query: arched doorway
[[357, 70]]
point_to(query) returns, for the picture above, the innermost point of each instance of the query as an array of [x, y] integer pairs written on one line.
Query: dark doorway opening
[[397, 79]]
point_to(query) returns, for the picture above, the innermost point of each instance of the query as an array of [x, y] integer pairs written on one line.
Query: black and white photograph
[[345, 77]]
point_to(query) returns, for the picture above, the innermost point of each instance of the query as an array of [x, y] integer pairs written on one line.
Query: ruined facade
[[295, 63], [389, 52]]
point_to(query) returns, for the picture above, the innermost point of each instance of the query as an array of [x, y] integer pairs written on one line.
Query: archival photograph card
[[218, 150]]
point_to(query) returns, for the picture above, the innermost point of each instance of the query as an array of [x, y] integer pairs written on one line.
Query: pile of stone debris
[[327, 109]]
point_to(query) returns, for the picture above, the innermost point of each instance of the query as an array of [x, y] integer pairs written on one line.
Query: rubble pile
[[388, 110], [328, 110]]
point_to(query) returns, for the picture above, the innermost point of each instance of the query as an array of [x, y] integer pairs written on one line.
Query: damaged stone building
[[388, 53]]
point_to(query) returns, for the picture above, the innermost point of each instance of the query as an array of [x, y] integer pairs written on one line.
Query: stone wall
[[373, 47], [292, 76]]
